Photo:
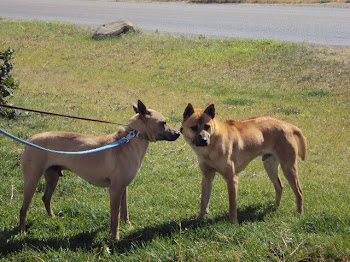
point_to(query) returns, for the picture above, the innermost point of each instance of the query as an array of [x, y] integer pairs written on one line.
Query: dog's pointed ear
[[188, 111], [210, 111], [141, 108]]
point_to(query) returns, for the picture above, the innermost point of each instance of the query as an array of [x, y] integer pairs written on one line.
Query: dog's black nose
[[202, 141], [173, 135], [176, 134]]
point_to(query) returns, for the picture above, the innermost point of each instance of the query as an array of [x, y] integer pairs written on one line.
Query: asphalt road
[[320, 25]]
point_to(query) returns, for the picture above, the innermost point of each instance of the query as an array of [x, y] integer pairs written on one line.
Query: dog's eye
[[163, 123], [206, 127], [194, 128]]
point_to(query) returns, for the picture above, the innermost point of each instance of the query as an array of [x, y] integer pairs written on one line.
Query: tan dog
[[228, 148], [114, 168]]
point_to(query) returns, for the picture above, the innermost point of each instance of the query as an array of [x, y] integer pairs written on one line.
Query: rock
[[114, 28]]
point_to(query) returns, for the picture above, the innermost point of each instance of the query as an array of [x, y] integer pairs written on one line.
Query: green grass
[[61, 69], [239, 102]]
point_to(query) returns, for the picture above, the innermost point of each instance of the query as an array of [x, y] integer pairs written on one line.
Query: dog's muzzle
[[176, 134], [201, 141], [172, 136]]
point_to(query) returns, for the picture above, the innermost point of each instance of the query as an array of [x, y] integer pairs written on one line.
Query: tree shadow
[[13, 242]]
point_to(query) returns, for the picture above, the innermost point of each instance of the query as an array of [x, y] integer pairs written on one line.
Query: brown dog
[[114, 168], [228, 148]]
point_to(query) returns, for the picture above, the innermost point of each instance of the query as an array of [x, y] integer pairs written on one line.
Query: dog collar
[[137, 133], [141, 135]]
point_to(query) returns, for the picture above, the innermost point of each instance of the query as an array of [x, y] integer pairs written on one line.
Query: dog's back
[[262, 129]]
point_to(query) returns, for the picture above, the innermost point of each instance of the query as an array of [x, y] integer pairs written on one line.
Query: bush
[[7, 82]]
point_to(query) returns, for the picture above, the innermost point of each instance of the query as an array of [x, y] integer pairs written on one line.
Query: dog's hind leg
[[288, 161], [52, 175], [291, 173], [31, 178], [271, 166]]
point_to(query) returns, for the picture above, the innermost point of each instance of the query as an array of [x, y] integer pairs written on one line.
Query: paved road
[[317, 25]]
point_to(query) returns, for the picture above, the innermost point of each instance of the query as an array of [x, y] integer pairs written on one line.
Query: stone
[[113, 28]]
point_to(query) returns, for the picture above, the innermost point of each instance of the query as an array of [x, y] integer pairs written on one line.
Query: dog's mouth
[[170, 136], [201, 141]]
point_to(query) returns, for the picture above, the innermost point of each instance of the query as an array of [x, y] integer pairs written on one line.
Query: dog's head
[[198, 125], [152, 124]]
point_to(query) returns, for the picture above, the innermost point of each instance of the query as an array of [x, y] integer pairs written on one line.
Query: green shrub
[[7, 82]]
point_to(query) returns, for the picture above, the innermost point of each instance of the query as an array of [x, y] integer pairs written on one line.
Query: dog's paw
[[201, 215], [234, 221]]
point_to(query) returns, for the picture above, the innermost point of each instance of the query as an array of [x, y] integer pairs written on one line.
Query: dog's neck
[[138, 134]]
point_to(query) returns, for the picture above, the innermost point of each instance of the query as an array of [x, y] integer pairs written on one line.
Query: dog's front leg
[[115, 193], [232, 187], [208, 175], [124, 213]]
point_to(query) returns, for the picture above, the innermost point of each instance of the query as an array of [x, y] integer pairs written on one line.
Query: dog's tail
[[301, 141]]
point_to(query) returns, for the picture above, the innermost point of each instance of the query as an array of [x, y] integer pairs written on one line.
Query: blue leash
[[123, 140]]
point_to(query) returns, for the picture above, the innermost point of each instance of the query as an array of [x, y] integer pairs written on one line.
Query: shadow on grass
[[147, 234], [12, 242]]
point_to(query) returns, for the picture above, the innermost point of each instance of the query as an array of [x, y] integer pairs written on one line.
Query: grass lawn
[[61, 69]]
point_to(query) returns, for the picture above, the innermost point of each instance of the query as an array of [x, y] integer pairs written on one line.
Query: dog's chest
[[100, 182], [213, 158]]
